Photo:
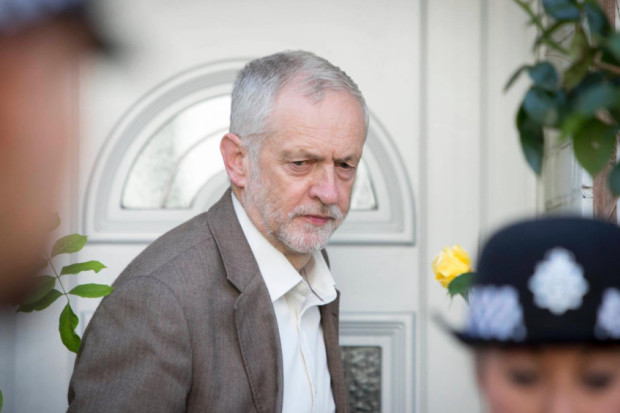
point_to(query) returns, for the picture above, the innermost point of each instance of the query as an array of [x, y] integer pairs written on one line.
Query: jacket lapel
[[329, 322], [259, 341], [255, 319]]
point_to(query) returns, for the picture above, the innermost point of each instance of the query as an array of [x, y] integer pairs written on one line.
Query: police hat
[[547, 281], [18, 15]]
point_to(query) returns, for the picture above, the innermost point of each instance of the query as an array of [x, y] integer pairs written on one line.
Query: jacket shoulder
[[180, 243]]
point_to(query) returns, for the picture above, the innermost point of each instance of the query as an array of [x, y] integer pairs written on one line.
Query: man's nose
[[324, 186]]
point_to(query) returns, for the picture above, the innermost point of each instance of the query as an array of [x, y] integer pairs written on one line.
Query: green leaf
[[68, 244], [533, 150], [92, 290], [589, 80], [597, 20], [515, 76], [562, 10], [45, 284], [577, 71], [596, 97], [1, 400], [594, 145], [613, 45], [42, 304], [542, 106], [614, 180], [532, 141], [461, 285], [573, 124], [67, 325], [95, 266], [580, 46], [544, 76]]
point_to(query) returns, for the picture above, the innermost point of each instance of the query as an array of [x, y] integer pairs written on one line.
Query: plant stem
[[533, 16], [544, 37], [605, 66], [49, 259]]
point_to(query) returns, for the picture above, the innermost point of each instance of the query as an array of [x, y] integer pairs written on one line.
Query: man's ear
[[235, 159]]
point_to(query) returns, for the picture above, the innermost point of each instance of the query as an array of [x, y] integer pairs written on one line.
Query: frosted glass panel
[[183, 156], [362, 369], [179, 158], [201, 163]]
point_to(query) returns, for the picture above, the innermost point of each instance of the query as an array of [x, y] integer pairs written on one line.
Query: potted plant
[[575, 88]]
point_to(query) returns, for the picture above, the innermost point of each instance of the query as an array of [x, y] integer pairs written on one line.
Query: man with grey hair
[[236, 310]]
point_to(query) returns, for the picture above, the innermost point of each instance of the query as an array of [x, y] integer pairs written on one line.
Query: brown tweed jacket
[[190, 327]]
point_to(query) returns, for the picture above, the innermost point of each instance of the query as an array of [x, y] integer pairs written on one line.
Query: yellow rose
[[450, 263]]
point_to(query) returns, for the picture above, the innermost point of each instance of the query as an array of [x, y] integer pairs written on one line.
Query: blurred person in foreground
[[236, 310], [544, 319], [41, 44]]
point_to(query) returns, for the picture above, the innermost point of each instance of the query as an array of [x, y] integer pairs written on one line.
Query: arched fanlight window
[[183, 156]]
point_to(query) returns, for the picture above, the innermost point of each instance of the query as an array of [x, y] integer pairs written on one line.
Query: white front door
[[152, 159]]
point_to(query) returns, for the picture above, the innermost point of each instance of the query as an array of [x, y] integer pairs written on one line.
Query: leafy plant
[[45, 292], [581, 99]]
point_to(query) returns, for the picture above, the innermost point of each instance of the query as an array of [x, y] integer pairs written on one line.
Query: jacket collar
[[241, 267]]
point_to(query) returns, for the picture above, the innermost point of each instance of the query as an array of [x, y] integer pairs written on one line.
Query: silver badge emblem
[[495, 313], [608, 320], [558, 282]]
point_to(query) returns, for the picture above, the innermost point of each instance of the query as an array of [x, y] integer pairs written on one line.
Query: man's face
[[300, 191]]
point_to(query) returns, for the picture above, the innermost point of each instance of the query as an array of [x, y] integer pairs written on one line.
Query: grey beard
[[304, 239], [308, 238]]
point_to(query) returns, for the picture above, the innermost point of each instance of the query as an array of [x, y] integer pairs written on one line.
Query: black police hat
[[547, 281]]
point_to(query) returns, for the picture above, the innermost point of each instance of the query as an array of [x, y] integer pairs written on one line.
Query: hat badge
[[608, 322], [558, 282], [495, 313]]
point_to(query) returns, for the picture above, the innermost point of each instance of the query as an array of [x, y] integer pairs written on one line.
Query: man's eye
[[345, 165], [523, 377], [597, 380], [299, 163]]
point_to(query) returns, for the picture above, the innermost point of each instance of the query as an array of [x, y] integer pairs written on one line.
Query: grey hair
[[259, 82]]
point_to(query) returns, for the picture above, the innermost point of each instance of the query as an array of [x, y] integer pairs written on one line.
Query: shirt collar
[[279, 274]]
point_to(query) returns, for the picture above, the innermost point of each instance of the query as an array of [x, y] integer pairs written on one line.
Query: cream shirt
[[307, 383]]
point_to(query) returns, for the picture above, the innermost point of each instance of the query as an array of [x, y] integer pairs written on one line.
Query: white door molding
[[394, 334]]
